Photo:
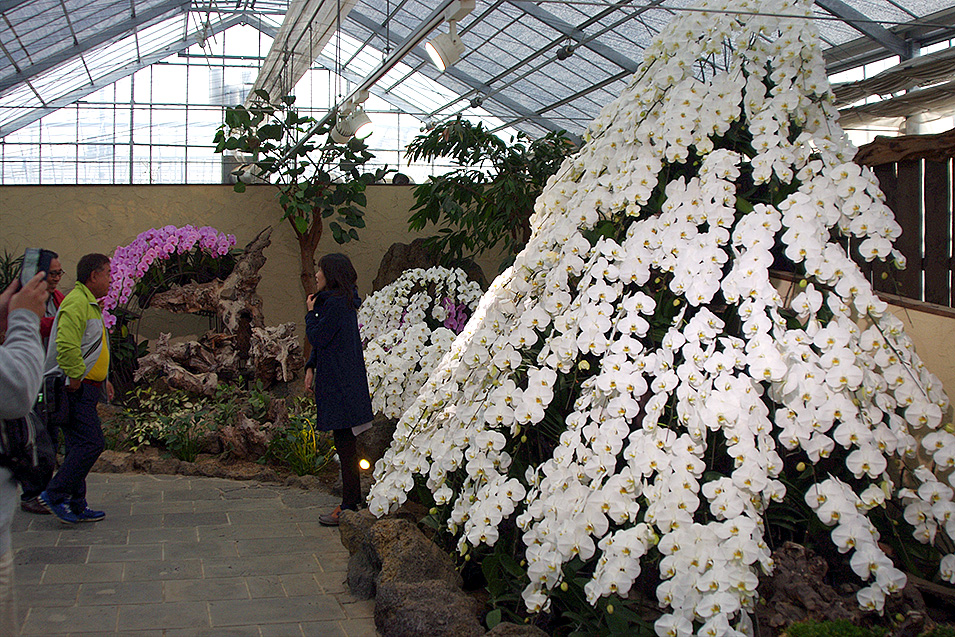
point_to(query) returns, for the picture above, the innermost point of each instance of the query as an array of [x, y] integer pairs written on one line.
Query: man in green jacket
[[79, 350]]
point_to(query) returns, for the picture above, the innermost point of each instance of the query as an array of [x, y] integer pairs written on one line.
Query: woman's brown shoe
[[330, 519]]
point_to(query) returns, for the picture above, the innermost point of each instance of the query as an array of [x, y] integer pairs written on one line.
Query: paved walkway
[[180, 556]]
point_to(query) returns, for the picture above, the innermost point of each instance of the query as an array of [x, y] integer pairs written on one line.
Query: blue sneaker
[[60, 510], [89, 515]]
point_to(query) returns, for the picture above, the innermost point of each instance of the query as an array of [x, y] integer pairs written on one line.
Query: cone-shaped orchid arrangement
[[636, 391], [407, 327]]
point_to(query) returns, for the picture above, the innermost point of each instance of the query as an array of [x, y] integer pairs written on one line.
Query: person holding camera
[[34, 480], [79, 350], [21, 373]]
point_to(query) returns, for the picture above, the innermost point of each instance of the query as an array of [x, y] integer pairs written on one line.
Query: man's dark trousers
[[84, 444]]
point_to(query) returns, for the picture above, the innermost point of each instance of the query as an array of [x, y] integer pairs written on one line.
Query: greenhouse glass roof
[[534, 66]]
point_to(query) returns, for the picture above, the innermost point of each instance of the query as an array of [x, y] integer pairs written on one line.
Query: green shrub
[[300, 447]]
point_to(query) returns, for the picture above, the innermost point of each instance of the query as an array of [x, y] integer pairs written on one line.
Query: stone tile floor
[[183, 556]]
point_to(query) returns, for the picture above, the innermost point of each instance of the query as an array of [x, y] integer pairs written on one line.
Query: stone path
[[180, 556]]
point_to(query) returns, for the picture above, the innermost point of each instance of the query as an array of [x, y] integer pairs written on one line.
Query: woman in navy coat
[[339, 378]]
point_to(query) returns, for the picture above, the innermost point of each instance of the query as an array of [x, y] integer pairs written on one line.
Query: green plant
[[183, 433], [315, 181], [299, 446], [171, 418], [488, 200], [10, 265], [259, 401]]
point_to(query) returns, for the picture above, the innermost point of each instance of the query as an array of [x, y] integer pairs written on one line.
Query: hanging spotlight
[[565, 51], [445, 49], [361, 124], [477, 100], [352, 121]]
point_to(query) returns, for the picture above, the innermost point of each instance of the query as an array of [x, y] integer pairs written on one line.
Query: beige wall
[[76, 220]]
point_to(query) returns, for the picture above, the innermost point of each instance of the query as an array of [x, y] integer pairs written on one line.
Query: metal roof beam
[[570, 98], [115, 75], [8, 5], [521, 111], [572, 32], [168, 8], [861, 22]]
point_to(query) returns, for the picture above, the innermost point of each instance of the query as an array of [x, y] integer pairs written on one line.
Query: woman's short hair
[[340, 274]]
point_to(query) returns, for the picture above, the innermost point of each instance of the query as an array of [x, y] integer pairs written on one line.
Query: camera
[[34, 260]]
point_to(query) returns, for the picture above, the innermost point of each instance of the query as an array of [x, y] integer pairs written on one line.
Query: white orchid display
[[407, 327], [635, 390]]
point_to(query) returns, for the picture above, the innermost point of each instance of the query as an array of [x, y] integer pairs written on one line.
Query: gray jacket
[[21, 364]]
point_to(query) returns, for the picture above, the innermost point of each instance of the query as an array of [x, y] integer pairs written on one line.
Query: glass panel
[[169, 83], [95, 163], [168, 165], [142, 125], [57, 163], [168, 126], [142, 168], [21, 163], [205, 167], [199, 78], [121, 164], [142, 85]]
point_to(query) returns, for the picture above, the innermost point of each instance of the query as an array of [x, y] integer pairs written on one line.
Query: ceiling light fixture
[[445, 48], [476, 101], [565, 51], [352, 121]]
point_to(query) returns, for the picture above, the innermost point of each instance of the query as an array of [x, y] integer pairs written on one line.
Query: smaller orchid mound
[[407, 328], [144, 258]]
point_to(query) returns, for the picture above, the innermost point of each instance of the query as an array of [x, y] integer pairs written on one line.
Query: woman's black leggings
[[348, 457]]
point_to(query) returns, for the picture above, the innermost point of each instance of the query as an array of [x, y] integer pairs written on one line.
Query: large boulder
[[406, 555], [403, 256], [432, 607]]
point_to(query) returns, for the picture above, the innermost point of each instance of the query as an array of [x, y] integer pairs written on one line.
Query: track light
[[446, 48], [352, 121], [565, 51], [352, 124]]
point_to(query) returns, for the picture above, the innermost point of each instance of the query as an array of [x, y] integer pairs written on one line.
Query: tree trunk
[[307, 244]]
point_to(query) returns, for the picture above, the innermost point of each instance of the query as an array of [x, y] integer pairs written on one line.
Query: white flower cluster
[[407, 327], [672, 351]]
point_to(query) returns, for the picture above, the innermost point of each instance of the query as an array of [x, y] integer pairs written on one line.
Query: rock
[[401, 257], [507, 629], [431, 607], [154, 464], [355, 528], [406, 555], [114, 462], [390, 550], [361, 575], [373, 443], [796, 591]]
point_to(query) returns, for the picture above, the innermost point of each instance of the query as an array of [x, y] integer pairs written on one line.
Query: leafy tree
[[488, 200], [315, 180]]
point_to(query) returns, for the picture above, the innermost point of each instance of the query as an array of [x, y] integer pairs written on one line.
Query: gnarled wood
[[887, 150], [234, 300]]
